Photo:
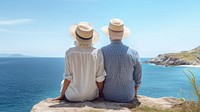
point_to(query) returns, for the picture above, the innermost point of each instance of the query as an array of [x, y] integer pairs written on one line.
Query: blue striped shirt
[[123, 68]]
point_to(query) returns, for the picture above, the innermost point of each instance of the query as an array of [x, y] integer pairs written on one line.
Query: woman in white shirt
[[84, 66]]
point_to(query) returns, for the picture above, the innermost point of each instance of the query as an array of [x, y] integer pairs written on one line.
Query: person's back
[[122, 65], [84, 64], [120, 62], [84, 67]]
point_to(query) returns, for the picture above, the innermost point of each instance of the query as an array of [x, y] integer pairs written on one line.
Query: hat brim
[[93, 40], [126, 32]]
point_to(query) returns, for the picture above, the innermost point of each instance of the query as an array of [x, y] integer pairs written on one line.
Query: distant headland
[[191, 57], [14, 56]]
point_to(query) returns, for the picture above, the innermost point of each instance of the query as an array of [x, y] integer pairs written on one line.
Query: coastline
[[193, 66], [190, 66]]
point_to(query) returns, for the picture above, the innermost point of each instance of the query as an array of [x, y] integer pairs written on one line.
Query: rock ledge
[[100, 105]]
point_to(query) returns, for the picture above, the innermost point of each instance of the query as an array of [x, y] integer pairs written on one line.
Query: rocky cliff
[[100, 105], [191, 57]]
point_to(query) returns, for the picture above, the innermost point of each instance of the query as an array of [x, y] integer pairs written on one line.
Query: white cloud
[[31, 32], [14, 21], [25, 32]]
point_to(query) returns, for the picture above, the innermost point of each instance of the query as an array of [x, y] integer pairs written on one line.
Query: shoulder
[[132, 50], [97, 51], [105, 47], [70, 50], [133, 53]]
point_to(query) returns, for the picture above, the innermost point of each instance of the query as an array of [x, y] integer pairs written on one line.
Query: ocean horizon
[[26, 81]]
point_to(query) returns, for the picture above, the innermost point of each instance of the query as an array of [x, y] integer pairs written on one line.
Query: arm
[[67, 78], [137, 75], [64, 88], [136, 90], [100, 74], [100, 86]]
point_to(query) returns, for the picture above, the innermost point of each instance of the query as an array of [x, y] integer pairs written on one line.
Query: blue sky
[[40, 27]]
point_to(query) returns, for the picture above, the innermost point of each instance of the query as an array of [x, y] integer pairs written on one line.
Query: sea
[[26, 81]]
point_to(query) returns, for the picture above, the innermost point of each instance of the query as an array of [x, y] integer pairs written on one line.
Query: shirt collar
[[116, 42]]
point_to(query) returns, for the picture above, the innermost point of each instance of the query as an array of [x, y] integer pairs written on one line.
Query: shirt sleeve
[[68, 74], [101, 73], [137, 74]]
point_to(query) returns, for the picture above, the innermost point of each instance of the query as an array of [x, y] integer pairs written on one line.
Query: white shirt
[[84, 66]]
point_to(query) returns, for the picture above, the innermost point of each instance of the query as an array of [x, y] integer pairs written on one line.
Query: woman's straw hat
[[83, 33]]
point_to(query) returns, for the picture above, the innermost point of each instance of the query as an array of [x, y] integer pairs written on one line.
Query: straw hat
[[83, 33], [116, 29]]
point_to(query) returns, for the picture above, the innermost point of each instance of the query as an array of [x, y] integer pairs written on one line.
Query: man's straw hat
[[116, 29]]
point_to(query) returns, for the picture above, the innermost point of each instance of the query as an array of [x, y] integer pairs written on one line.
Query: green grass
[[192, 106], [151, 109], [192, 80], [188, 56], [184, 56]]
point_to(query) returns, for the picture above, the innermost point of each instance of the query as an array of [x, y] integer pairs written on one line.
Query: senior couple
[[112, 72]]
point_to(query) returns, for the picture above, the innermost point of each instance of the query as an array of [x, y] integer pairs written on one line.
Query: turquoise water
[[26, 81]]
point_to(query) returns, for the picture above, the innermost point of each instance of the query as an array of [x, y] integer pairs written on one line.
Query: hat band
[[115, 30], [82, 37]]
